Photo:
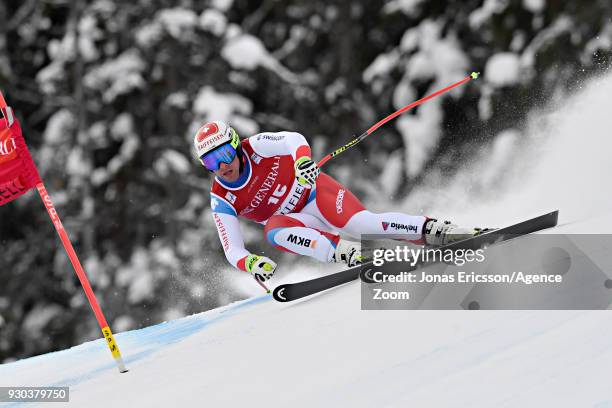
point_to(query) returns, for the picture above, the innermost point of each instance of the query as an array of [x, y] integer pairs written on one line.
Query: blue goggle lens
[[222, 154]]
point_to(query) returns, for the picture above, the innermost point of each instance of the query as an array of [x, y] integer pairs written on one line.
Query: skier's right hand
[[261, 267]]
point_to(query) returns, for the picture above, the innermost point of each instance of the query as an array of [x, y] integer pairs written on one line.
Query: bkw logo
[[301, 241]]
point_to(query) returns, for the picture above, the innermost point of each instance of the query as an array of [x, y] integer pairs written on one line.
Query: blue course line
[[152, 338]]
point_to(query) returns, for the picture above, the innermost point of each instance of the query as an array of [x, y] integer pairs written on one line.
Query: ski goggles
[[222, 154]]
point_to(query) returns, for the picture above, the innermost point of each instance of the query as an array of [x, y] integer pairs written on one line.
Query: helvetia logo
[[301, 241], [396, 226]]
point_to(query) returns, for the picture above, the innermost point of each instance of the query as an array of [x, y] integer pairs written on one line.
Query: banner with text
[[18, 174]]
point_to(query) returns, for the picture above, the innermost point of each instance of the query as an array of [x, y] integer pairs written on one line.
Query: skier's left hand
[[306, 171], [261, 267]]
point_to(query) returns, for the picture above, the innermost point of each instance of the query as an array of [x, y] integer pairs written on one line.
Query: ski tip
[[279, 294], [555, 214]]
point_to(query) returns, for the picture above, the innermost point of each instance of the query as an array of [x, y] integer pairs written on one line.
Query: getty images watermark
[[541, 271]]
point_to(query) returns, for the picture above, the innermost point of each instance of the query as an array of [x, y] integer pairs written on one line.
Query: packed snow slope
[[325, 351]]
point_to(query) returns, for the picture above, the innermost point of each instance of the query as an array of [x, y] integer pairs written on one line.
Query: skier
[[270, 178]]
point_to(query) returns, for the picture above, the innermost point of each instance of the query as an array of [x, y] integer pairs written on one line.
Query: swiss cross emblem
[[207, 130]]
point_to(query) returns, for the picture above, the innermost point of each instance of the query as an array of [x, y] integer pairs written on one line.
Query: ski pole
[[473, 75], [262, 285]]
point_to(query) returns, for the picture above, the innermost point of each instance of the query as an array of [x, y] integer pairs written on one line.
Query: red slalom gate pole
[[78, 268], [473, 75], [18, 163]]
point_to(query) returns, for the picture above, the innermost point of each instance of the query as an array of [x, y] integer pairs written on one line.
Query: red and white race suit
[[297, 219]]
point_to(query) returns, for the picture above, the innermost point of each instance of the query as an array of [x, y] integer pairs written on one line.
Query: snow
[[213, 21], [62, 50], [500, 156], [244, 51], [503, 69], [117, 77], [391, 176], [77, 164], [141, 289], [438, 58], [419, 67], [297, 35], [535, 6], [122, 126], [421, 134], [404, 93], [122, 129], [126, 152], [222, 5], [602, 42], [326, 351], [38, 317], [233, 31], [410, 40], [381, 66], [88, 34], [149, 34], [408, 7], [178, 100], [123, 323], [485, 106], [490, 7], [96, 272], [562, 25], [558, 169], [245, 125], [171, 160], [60, 127], [177, 21], [49, 75], [227, 107], [137, 277]]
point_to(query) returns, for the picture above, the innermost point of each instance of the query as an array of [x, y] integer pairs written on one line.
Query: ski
[[292, 291]]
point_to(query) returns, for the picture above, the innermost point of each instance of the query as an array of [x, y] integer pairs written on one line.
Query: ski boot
[[348, 252], [444, 232]]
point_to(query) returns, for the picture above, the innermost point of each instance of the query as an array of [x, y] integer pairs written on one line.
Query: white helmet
[[212, 135], [217, 143]]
